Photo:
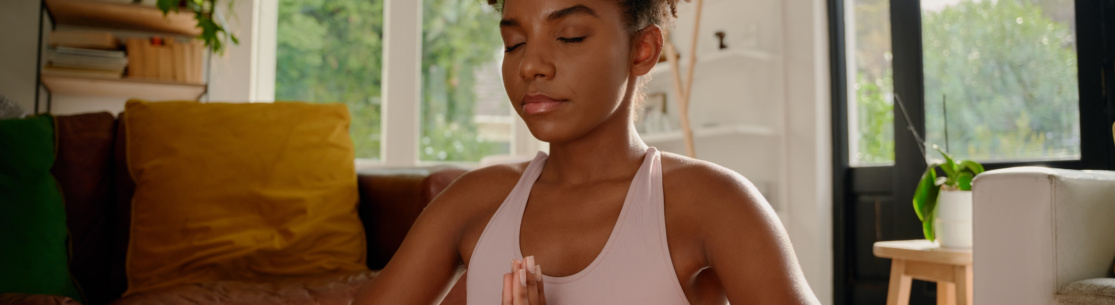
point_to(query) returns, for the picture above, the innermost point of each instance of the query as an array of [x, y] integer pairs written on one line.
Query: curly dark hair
[[638, 13]]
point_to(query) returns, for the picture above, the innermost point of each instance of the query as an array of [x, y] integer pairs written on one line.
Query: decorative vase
[[954, 219]]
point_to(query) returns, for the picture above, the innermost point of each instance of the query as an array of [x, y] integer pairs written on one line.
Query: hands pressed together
[[523, 285]]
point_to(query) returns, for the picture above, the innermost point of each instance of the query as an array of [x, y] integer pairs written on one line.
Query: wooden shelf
[[132, 17], [706, 132], [124, 87]]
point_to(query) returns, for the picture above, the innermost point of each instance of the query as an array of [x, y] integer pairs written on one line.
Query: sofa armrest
[[1039, 229], [390, 202]]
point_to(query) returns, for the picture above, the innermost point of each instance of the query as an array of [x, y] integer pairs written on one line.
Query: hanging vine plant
[[214, 28]]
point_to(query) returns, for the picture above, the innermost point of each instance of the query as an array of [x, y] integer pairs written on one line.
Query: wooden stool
[[924, 260]]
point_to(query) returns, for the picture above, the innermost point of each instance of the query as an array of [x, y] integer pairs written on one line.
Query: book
[[135, 57], [89, 52], [178, 60], [165, 62], [197, 62], [83, 39], [82, 73], [67, 59]]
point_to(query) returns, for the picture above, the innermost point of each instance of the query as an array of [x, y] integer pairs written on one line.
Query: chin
[[551, 132]]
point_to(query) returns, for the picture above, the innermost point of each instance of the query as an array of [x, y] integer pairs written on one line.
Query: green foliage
[[458, 38], [1007, 68], [330, 51], [876, 126], [213, 30], [1009, 74], [958, 176]]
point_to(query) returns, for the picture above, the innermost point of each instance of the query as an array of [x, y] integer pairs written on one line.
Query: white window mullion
[[402, 34]]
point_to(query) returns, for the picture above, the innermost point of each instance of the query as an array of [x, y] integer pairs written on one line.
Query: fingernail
[[529, 263], [538, 273], [523, 277]]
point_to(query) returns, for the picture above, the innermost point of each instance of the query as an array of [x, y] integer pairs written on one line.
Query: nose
[[536, 62]]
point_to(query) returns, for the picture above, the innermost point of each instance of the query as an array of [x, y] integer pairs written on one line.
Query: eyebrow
[[559, 14]]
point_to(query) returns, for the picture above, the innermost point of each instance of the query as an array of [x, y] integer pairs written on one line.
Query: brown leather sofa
[[92, 174]]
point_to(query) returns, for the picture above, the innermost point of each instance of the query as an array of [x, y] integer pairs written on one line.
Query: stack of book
[[85, 54], [166, 59]]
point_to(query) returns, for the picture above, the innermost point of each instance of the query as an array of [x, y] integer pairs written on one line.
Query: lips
[[539, 104]]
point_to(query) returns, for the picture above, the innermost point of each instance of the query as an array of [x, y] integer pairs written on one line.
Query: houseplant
[[209, 19], [949, 196]]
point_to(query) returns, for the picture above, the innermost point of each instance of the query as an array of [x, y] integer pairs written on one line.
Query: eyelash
[[562, 39], [571, 40]]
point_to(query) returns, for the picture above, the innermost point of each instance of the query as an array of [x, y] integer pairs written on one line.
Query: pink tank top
[[633, 268]]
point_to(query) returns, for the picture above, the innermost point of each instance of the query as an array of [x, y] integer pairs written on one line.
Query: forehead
[[548, 10]]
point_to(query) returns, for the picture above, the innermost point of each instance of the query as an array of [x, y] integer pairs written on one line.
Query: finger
[[520, 290], [507, 289], [532, 282], [541, 284]]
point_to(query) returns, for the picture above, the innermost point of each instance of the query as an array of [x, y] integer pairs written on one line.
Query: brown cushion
[[84, 171], [35, 299], [325, 289], [390, 201], [125, 189]]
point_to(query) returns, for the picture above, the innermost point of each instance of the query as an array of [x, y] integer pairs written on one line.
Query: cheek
[[602, 77], [511, 79]]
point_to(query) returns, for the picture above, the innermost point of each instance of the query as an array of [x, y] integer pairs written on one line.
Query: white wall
[[246, 72], [784, 88], [809, 142], [20, 21]]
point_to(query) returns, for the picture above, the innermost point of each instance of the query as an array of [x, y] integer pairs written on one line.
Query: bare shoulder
[[481, 188], [702, 185], [708, 203]]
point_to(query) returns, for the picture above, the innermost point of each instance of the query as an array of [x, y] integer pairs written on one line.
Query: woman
[[612, 220]]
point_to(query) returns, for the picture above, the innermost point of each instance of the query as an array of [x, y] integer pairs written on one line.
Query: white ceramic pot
[[954, 219]]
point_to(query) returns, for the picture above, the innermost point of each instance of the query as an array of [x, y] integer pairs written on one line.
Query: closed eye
[[512, 48], [571, 39]]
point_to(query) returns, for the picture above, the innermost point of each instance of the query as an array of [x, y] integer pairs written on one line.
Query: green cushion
[[33, 259]]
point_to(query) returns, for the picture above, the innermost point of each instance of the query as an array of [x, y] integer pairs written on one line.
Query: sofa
[[1044, 236], [92, 174]]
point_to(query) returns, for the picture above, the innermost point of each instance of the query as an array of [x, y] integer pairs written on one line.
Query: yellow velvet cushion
[[240, 192]]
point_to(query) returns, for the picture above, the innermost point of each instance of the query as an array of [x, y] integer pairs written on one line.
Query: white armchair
[[1043, 236]]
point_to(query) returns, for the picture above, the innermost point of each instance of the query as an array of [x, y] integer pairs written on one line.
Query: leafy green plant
[[212, 24], [958, 176]]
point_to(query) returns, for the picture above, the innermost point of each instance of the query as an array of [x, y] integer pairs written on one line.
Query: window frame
[[401, 94]]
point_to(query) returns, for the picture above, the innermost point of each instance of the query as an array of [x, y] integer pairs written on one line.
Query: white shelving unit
[[738, 102], [709, 132], [716, 59]]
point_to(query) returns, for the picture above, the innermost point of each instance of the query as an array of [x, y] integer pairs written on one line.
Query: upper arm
[[746, 244], [428, 259]]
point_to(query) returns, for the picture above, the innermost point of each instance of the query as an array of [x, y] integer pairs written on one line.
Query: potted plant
[[944, 204], [213, 27]]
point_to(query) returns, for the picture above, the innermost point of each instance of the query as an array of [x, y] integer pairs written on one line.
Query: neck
[[612, 150]]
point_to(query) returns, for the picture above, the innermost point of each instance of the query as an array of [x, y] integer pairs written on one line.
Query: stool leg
[[963, 276], [946, 293], [899, 291]]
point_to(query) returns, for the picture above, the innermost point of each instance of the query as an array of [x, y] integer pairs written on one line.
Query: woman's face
[[567, 66]]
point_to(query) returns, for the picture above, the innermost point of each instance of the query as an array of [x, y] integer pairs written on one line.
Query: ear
[[646, 48]]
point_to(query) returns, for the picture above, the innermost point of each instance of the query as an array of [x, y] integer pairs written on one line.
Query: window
[[331, 52], [465, 114], [871, 96], [1004, 76]]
